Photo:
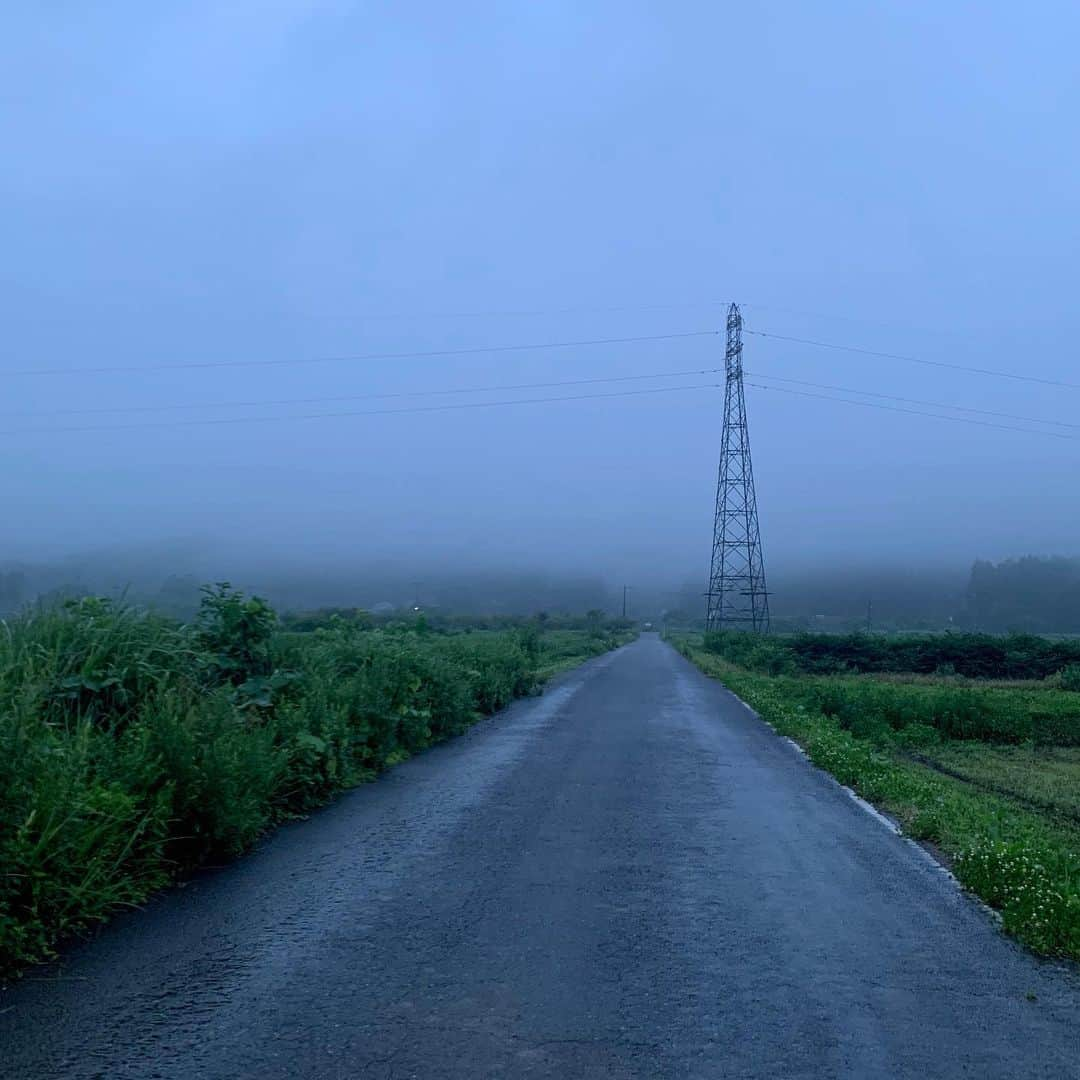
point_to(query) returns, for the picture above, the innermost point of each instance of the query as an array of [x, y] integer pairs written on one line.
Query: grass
[[911, 678], [1045, 777], [956, 707], [1022, 858], [565, 649], [133, 748]]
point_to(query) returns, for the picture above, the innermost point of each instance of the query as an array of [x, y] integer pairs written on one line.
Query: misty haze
[[503, 422], [235, 187]]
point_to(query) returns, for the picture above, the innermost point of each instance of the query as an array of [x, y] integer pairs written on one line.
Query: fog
[[277, 190]]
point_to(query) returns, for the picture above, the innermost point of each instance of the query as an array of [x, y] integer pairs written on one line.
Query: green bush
[[1070, 678], [90, 659], [133, 747], [974, 656], [235, 631]]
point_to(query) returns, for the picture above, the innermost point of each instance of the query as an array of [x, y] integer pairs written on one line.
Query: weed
[[133, 747], [1070, 678]]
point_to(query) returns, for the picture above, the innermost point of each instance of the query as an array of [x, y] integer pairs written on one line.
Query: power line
[[575, 310], [917, 401], [832, 315], [504, 387], [913, 412], [216, 421], [918, 360], [361, 412], [475, 351]]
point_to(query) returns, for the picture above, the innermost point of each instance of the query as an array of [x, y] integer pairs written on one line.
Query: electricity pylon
[[737, 598]]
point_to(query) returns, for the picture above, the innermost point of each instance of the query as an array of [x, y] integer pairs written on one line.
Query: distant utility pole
[[737, 597], [869, 613], [625, 591]]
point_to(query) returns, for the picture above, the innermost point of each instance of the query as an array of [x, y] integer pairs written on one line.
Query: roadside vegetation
[[134, 747], [974, 747]]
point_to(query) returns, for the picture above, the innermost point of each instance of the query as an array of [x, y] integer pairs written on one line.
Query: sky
[[279, 191]]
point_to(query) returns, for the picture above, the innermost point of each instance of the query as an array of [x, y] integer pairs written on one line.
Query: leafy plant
[[133, 747], [975, 656], [1070, 678], [236, 631]]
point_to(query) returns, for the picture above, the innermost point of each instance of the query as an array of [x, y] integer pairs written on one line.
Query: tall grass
[[976, 656], [998, 716], [133, 748], [1045, 714]]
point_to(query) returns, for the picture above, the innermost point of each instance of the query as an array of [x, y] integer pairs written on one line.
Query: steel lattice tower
[[737, 598]]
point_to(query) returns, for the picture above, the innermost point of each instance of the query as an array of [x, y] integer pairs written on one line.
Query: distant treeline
[[1034, 594], [836, 598], [1031, 594], [172, 591], [1039, 595], [450, 622]]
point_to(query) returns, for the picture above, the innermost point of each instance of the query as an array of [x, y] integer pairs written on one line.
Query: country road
[[630, 876]]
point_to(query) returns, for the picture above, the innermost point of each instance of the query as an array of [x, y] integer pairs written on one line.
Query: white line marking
[[927, 856], [879, 816], [798, 748]]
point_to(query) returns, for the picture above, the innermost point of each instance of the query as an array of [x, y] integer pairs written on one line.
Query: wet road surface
[[630, 876]]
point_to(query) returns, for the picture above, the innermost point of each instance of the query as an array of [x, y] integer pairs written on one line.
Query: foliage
[[1002, 716], [133, 747], [1069, 678], [323, 618], [235, 631], [1031, 593], [90, 660], [443, 622], [1030, 886], [976, 656], [955, 709]]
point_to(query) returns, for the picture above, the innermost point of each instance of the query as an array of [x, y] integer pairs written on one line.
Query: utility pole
[[625, 590], [737, 597], [869, 613]]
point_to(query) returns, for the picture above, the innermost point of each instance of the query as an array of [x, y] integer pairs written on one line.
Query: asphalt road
[[630, 876]]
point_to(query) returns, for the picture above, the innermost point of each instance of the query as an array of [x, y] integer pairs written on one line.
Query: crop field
[[134, 747], [972, 743], [1045, 777]]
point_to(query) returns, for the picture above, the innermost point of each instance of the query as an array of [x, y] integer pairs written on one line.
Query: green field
[[133, 748], [986, 771], [1045, 777]]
